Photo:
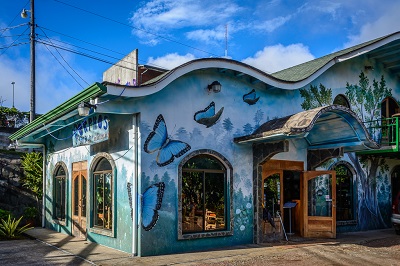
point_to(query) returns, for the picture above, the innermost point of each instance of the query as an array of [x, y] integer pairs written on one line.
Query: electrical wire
[[87, 55], [130, 26], [64, 67], [13, 27], [66, 61], [89, 50], [15, 44], [96, 45], [5, 50]]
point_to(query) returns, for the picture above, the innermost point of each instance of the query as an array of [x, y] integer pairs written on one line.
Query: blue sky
[[270, 35]]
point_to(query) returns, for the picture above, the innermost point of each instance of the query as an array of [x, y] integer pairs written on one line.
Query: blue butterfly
[[250, 97], [151, 203], [167, 148], [208, 117]]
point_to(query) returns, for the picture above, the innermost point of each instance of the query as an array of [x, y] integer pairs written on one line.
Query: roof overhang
[[60, 117], [325, 127]]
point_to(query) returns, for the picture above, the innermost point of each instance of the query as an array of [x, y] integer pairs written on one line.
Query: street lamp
[[32, 24], [13, 92]]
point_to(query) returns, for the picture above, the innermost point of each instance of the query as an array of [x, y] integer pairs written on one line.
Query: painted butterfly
[[250, 97], [151, 203], [208, 117], [167, 148]]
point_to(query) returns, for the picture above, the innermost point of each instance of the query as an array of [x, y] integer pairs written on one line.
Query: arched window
[[340, 99], [59, 193], [103, 194], [205, 200], [345, 209]]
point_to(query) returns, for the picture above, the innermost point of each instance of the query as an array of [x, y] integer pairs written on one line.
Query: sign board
[[91, 130]]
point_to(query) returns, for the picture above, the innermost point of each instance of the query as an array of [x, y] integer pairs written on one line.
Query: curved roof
[[385, 50], [325, 127]]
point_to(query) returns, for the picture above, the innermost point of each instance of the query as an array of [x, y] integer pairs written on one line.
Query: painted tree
[[258, 117], [365, 101], [228, 125], [314, 97], [248, 129]]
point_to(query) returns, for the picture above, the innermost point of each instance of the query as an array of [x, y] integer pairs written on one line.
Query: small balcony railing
[[385, 132]]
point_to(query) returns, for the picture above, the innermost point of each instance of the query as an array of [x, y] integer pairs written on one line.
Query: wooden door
[[79, 199], [319, 208]]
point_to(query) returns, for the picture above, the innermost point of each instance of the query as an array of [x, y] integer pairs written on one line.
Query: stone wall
[[13, 196]]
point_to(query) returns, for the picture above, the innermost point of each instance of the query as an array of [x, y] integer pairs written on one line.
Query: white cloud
[[278, 57], [386, 23], [170, 61], [159, 16], [272, 24]]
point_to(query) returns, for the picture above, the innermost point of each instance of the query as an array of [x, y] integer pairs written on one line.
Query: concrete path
[[47, 247]]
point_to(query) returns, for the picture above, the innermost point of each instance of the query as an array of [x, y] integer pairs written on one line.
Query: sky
[[78, 40]]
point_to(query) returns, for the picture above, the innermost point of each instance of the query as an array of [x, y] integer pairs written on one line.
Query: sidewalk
[[96, 254]]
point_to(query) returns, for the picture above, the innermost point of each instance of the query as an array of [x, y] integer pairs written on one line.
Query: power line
[[86, 55], [13, 27], [12, 44], [89, 50], [96, 45], [127, 25], [66, 61]]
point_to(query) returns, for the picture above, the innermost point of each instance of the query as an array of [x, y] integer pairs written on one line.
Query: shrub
[[9, 228], [4, 214]]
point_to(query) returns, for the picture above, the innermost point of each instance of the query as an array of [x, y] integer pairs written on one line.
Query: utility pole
[[33, 69]]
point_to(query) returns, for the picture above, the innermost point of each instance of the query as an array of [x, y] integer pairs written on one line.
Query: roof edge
[[94, 90]]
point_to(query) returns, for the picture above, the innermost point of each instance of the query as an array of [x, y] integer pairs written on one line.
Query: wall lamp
[[215, 87], [85, 109]]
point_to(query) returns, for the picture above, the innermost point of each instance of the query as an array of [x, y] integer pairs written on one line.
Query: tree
[[32, 164], [314, 98], [12, 117], [365, 101]]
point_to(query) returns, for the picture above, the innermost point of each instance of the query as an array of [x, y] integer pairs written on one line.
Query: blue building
[[218, 153]]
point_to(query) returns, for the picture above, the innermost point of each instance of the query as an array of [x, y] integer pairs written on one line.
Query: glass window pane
[[76, 196], [215, 201], [192, 201], [203, 162], [99, 200], [107, 201], [83, 214], [103, 165], [319, 196], [344, 193]]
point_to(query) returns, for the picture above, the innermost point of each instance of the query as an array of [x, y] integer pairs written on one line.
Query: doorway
[[79, 199], [304, 202]]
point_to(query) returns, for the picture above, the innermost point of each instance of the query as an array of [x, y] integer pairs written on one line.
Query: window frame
[[56, 219], [93, 227], [228, 192]]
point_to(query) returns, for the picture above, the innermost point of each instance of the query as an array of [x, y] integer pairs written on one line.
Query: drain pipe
[[43, 146]]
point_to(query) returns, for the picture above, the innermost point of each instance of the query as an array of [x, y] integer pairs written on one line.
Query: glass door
[[319, 208]]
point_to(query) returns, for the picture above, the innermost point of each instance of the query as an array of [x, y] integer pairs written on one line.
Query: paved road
[[380, 248]]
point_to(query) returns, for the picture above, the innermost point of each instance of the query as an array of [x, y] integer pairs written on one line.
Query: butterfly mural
[[151, 203], [208, 117], [167, 148], [250, 97]]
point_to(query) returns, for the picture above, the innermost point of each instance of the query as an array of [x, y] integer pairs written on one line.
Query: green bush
[[4, 214], [9, 228]]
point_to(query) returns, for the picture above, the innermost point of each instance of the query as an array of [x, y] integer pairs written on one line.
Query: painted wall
[[198, 119], [120, 146]]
